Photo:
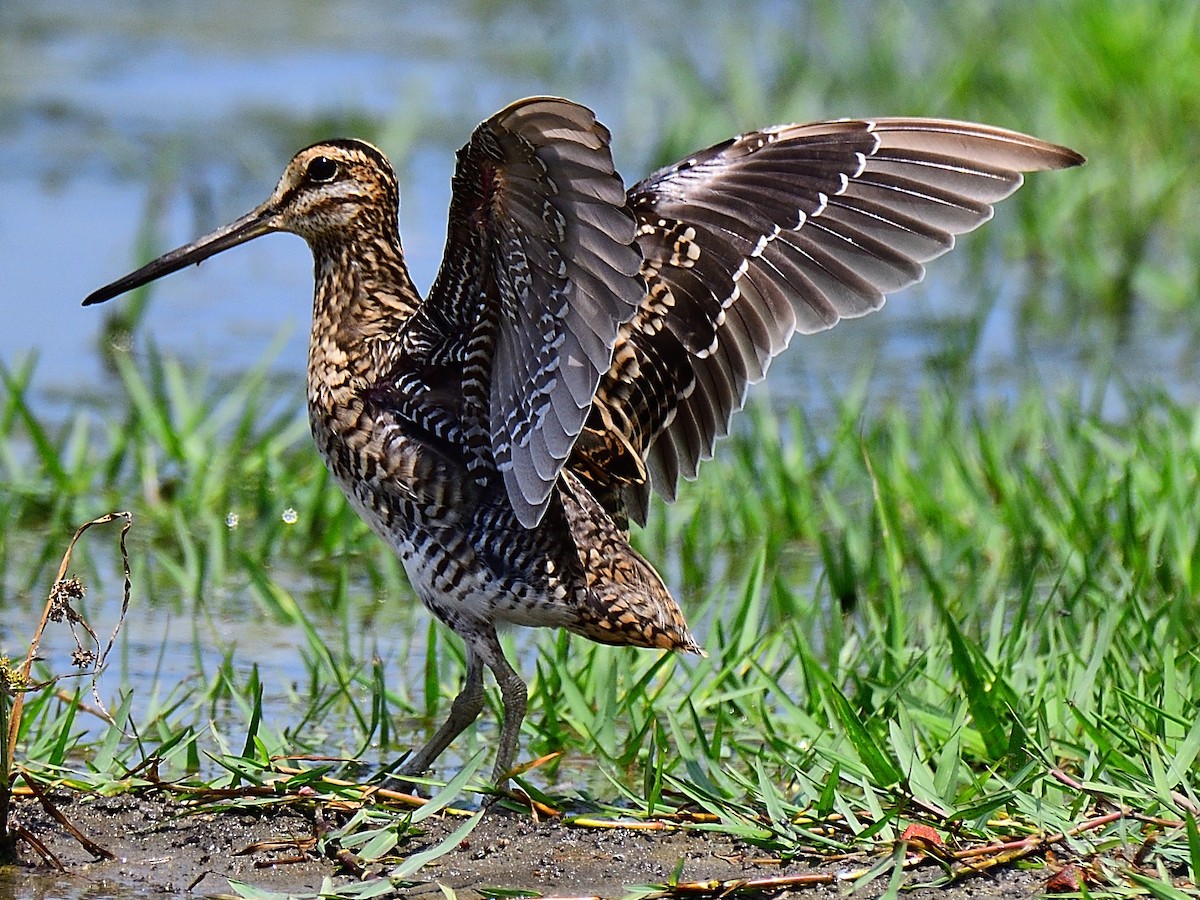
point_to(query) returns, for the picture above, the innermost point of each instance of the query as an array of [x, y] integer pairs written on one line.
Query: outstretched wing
[[779, 231], [539, 274]]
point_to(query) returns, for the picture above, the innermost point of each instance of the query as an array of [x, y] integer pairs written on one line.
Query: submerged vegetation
[[974, 617]]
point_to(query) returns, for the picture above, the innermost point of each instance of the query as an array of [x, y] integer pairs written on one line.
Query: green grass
[[980, 619]]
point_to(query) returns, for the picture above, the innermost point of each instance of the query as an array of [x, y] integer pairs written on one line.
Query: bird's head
[[328, 192]]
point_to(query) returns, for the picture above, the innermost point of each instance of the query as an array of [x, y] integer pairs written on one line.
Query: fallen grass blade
[[452, 791], [414, 863], [1162, 890]]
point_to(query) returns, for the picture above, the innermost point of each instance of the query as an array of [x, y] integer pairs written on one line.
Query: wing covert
[[539, 274]]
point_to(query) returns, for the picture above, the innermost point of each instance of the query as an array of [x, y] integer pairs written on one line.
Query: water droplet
[[290, 516], [231, 520]]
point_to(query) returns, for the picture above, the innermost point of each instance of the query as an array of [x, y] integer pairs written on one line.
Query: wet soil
[[159, 849]]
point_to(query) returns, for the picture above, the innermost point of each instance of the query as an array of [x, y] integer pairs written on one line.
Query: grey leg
[[516, 702], [463, 711], [482, 648]]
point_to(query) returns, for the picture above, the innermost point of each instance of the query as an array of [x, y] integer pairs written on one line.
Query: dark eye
[[322, 170]]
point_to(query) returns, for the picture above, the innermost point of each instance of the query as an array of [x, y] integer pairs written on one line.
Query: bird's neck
[[363, 298]]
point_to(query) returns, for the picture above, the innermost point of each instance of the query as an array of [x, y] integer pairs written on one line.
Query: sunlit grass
[[981, 619]]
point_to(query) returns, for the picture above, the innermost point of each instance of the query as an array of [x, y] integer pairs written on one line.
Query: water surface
[[168, 118]]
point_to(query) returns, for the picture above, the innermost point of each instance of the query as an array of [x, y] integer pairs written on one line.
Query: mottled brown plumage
[[583, 345]]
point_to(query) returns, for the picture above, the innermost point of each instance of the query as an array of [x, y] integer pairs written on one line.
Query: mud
[[160, 849]]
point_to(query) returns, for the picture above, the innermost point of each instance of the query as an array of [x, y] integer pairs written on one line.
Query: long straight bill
[[254, 224]]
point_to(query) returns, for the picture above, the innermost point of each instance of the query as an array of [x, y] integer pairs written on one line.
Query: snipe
[[583, 345]]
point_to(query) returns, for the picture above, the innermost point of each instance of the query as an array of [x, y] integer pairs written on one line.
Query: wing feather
[[539, 274], [781, 231]]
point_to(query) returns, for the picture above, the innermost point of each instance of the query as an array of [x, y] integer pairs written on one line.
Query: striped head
[[335, 186], [330, 192]]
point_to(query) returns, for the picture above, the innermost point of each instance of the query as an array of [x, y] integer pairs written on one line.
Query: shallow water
[[183, 114], [99, 111]]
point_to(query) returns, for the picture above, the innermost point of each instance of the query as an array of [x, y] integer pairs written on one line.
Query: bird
[[584, 345]]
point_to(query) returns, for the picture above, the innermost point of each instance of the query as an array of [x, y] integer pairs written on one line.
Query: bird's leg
[[463, 711], [516, 700], [481, 649]]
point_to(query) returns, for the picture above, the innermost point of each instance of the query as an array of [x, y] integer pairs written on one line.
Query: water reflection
[[134, 131]]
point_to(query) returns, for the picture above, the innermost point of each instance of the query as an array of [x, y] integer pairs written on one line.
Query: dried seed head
[[62, 595], [82, 658]]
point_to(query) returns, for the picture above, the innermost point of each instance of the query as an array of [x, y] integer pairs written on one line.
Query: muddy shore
[[161, 848]]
